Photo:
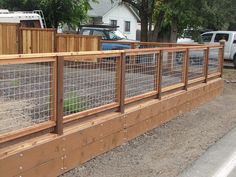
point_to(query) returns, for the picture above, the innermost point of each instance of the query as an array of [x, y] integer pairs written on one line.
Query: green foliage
[[72, 12], [73, 103], [171, 15], [15, 83]]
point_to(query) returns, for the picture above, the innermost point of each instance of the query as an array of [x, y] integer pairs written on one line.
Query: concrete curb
[[218, 161]]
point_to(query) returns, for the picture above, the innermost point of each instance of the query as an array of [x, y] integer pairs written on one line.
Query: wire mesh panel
[[214, 60], [89, 85], [172, 68], [196, 64], [25, 95], [140, 74]]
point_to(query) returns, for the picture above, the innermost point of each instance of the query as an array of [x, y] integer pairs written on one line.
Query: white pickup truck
[[214, 37]]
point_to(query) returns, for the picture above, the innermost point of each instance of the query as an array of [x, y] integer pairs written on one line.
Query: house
[[115, 13]]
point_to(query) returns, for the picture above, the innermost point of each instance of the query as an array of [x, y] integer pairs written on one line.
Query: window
[[99, 33], [221, 36], [127, 26], [86, 32], [113, 22], [207, 37]]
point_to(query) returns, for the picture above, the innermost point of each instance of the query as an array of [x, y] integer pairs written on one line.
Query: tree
[[145, 9], [171, 17]]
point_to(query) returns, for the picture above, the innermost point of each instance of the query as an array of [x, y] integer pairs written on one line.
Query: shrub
[[73, 103]]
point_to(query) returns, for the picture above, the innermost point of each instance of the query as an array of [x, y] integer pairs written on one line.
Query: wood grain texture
[[91, 138]]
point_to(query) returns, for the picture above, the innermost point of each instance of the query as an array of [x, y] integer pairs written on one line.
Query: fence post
[[59, 96], [222, 43], [120, 81], [186, 65], [207, 51], [160, 57]]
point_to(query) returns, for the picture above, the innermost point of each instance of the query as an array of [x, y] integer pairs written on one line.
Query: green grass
[[73, 103], [15, 83]]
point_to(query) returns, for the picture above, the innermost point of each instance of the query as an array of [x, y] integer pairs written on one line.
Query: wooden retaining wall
[[51, 155]]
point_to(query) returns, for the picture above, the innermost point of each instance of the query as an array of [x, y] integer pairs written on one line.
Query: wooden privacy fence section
[[16, 40], [74, 106], [72, 43], [9, 38], [34, 40]]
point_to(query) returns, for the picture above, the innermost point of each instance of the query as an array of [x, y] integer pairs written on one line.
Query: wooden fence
[[73, 43], [9, 38], [156, 76], [34, 40], [95, 101], [16, 40]]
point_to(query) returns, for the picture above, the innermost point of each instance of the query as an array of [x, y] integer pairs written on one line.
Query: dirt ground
[[166, 151]]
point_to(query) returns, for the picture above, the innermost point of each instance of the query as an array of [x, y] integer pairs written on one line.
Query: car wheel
[[234, 61]]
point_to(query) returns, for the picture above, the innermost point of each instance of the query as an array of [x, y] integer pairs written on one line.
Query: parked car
[[107, 32], [214, 37]]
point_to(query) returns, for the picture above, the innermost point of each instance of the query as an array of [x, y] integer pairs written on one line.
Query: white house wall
[[121, 13]]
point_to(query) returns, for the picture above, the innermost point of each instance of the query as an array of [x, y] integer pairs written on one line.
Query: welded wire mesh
[[89, 85], [214, 60], [196, 64], [140, 74], [172, 68], [25, 95]]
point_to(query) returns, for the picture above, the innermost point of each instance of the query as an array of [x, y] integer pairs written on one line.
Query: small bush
[[73, 104]]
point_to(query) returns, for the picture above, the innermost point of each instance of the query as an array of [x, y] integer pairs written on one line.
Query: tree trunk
[[154, 36], [174, 30], [144, 28]]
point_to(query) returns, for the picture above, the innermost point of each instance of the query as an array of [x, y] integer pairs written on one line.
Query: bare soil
[[166, 151]]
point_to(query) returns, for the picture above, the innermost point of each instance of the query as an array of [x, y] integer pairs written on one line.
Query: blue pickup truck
[[107, 32]]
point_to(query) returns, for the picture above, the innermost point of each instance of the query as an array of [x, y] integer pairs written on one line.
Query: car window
[[99, 33], [221, 36], [86, 32], [207, 37], [114, 35]]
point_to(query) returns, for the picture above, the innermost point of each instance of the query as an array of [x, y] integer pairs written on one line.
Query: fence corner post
[[59, 95]]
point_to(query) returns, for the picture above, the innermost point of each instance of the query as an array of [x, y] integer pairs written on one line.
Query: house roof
[[102, 7]]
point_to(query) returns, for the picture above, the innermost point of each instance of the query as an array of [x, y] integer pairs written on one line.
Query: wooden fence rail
[[113, 81]]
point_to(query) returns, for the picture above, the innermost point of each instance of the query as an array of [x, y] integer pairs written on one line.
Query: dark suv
[[107, 32]]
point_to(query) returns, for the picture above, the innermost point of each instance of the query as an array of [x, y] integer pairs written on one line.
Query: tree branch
[[132, 3]]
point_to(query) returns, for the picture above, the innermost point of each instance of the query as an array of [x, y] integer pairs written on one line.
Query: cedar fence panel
[[16, 40], [8, 38], [35, 40], [74, 43]]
